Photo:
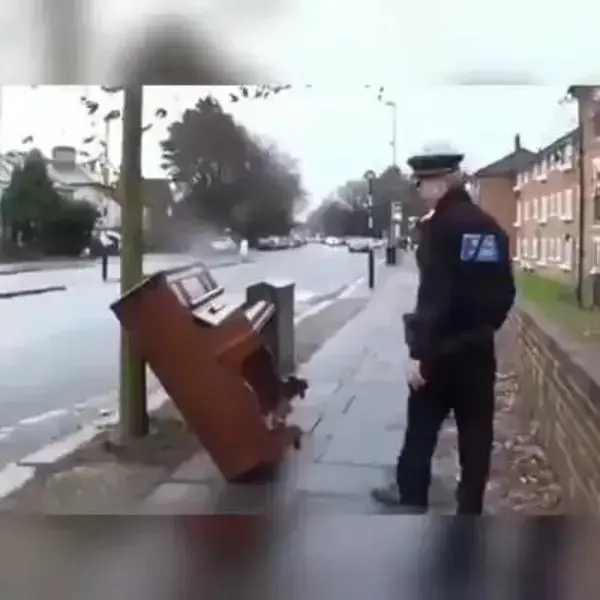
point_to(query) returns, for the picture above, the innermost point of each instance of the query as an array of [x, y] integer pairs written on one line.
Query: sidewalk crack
[[348, 405]]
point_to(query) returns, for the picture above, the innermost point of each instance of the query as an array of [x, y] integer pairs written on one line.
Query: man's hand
[[413, 375]]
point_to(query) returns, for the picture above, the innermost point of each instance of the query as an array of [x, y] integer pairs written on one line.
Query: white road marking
[[13, 477], [317, 308], [347, 293], [51, 414]]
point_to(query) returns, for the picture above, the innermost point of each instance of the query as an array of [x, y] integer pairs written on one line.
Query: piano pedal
[[294, 386]]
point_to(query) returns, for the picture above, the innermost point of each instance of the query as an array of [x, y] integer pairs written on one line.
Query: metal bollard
[[371, 268], [391, 255], [104, 266], [279, 333]]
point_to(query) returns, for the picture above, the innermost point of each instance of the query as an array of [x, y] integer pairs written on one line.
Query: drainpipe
[[578, 92]]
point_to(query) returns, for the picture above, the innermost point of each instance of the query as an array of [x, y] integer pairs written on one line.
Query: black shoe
[[390, 497]]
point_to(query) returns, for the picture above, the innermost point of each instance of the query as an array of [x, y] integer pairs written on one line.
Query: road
[[59, 351]]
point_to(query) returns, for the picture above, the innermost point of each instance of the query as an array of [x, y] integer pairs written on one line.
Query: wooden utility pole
[[133, 413]]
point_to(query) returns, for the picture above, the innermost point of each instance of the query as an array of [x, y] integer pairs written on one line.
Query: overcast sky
[[336, 132], [419, 51]]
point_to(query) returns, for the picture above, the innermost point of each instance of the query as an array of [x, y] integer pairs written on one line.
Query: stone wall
[[559, 388]]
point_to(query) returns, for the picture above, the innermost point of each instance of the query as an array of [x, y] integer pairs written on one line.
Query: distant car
[[359, 244], [268, 243], [223, 244], [333, 241]]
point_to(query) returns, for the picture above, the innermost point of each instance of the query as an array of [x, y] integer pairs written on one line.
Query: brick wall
[[559, 390]]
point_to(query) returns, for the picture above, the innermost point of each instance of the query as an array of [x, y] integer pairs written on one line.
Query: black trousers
[[462, 384]]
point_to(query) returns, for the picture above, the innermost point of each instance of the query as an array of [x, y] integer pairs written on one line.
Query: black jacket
[[466, 284]]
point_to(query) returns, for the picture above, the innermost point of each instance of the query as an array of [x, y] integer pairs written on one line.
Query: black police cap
[[434, 163]]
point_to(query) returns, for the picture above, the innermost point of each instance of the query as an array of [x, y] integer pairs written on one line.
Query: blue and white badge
[[480, 248]]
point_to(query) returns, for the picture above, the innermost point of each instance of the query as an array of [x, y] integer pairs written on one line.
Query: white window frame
[[551, 250], [544, 251], [567, 212], [519, 211], [544, 209], [552, 205], [559, 203], [535, 248], [559, 250], [535, 212], [525, 252], [596, 255], [568, 255], [525, 210]]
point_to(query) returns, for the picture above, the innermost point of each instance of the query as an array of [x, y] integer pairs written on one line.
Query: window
[[544, 169], [525, 248], [544, 209], [567, 213], [534, 248], [535, 209], [596, 256], [544, 250], [568, 254], [525, 177], [519, 179], [559, 203], [551, 250], [567, 158], [551, 205], [518, 247], [526, 210], [519, 208], [568, 152], [559, 250]]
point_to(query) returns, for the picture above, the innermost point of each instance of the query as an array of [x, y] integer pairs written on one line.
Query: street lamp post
[[393, 236], [370, 177], [393, 142]]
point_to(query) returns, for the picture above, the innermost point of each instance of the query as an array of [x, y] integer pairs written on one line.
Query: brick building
[[546, 224], [493, 187], [536, 198]]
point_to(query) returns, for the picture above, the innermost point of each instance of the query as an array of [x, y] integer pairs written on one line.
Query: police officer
[[465, 292]]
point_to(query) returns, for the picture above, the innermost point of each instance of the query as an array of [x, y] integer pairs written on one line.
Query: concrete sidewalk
[[355, 415]]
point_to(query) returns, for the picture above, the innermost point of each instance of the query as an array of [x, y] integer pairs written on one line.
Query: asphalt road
[[59, 351]]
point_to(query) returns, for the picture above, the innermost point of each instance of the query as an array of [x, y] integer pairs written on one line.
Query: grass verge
[[557, 301]]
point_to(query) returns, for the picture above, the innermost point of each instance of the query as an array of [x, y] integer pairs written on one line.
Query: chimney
[[517, 142]]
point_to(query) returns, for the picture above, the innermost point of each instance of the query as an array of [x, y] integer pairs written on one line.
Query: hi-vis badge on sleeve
[[479, 247]]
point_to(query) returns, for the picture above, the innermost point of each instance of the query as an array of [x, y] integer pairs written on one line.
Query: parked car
[[333, 241], [223, 245], [267, 243], [359, 244]]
